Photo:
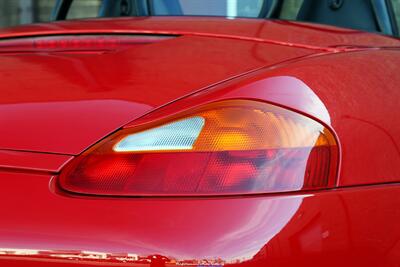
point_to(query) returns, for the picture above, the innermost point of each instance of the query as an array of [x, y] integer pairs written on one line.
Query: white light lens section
[[180, 135]]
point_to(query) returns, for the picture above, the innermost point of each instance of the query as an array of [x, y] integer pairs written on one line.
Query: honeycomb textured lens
[[233, 147], [179, 135]]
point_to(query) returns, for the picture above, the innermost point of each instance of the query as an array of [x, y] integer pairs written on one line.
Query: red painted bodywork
[[54, 105], [62, 95]]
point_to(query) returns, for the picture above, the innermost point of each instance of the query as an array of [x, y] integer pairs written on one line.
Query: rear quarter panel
[[356, 94]]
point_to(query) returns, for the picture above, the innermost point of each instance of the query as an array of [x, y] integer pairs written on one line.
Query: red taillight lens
[[59, 43], [229, 147]]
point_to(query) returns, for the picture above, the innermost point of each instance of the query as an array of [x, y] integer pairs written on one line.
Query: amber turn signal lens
[[224, 148]]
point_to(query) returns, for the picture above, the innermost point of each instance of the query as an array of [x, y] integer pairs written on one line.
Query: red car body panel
[[355, 226], [32, 162], [55, 105], [63, 95]]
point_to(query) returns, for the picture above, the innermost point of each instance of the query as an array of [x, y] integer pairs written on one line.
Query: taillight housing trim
[[240, 159]]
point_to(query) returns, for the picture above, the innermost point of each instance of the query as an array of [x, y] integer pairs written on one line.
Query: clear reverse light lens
[[180, 135]]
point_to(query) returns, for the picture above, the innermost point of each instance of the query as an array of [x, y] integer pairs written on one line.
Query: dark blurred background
[[14, 12]]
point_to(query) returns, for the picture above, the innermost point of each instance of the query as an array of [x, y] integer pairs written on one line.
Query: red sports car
[[202, 133]]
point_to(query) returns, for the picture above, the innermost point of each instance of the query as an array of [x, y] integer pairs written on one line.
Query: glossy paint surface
[[67, 102], [28, 161], [314, 229]]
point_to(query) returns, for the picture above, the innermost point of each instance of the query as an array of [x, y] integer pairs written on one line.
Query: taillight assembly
[[85, 42], [224, 148]]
